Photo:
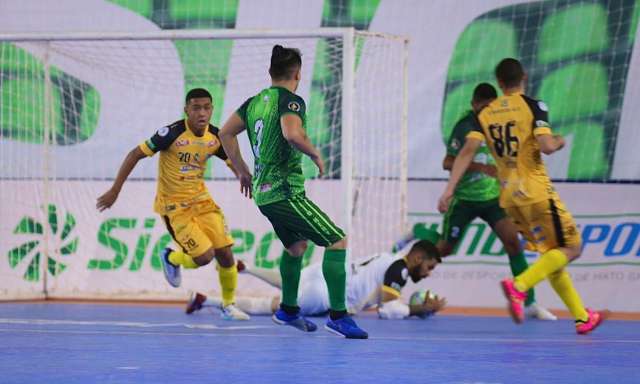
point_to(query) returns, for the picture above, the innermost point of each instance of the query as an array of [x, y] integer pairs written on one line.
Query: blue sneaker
[[171, 272], [297, 321], [345, 327]]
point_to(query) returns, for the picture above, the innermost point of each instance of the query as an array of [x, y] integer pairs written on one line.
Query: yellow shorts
[[198, 227], [546, 225]]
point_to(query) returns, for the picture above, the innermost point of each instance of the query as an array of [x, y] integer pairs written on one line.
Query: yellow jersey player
[[193, 219], [517, 130]]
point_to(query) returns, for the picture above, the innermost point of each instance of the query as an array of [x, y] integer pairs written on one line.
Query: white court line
[[297, 335], [134, 324]]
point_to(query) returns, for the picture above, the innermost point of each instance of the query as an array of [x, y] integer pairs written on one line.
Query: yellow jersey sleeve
[[144, 147]]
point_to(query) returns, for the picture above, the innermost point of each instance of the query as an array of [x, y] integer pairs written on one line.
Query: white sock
[[255, 305]]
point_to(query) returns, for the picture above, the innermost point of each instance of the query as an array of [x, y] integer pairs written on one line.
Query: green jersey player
[[477, 196], [275, 121]]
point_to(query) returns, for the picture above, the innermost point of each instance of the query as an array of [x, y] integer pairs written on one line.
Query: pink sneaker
[[516, 300], [595, 319]]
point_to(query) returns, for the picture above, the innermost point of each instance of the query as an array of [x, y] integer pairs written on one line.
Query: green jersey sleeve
[[458, 134], [242, 111], [292, 103]]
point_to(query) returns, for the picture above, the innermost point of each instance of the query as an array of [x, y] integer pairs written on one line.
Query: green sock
[[290, 268], [335, 274], [518, 264]]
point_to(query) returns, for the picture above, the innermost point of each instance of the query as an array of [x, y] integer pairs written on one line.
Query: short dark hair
[[484, 92], [510, 72], [429, 249], [284, 62], [197, 93]]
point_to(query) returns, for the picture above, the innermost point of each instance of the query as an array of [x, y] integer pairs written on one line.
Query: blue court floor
[[82, 343]]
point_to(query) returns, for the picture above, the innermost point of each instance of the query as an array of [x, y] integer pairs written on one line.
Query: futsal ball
[[418, 297]]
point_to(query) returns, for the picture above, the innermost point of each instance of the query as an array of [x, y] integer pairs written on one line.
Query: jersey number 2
[[256, 146], [503, 141]]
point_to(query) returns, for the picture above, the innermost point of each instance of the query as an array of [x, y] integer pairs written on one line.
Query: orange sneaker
[[595, 319], [516, 300]]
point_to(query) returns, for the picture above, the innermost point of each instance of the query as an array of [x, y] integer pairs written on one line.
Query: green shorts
[[463, 212], [298, 218]]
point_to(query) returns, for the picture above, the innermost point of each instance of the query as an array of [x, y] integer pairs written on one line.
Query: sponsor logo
[[265, 187], [294, 106], [543, 106], [541, 123], [606, 239], [31, 253], [163, 131], [182, 142]]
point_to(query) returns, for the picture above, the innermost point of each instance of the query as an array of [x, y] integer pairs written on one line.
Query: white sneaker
[[231, 312], [535, 311]]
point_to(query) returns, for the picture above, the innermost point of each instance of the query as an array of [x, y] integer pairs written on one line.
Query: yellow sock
[[548, 263], [563, 285], [228, 282], [181, 258]]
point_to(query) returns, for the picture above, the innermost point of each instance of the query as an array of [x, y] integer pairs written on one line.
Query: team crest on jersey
[[294, 106], [182, 142], [163, 131], [211, 143], [543, 106]]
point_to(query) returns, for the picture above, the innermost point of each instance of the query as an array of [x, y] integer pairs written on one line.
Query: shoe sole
[[165, 266], [514, 316], [343, 335], [603, 316]]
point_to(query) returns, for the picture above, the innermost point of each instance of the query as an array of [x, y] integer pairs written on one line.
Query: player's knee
[[572, 252], [297, 249], [205, 258], [224, 256], [340, 244]]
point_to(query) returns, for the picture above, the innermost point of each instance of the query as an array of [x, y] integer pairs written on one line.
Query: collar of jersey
[[186, 124]]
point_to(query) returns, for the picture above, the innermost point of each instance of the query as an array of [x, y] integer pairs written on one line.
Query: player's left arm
[[221, 154], [228, 137], [460, 165], [548, 142]]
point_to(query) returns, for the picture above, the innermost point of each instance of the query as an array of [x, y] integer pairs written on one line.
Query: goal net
[[72, 106]]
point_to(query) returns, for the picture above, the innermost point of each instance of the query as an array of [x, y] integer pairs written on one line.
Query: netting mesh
[[577, 55], [107, 96]]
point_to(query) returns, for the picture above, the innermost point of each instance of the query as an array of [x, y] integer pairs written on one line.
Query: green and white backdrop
[[582, 57]]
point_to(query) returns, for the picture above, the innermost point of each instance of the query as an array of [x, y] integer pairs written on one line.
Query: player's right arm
[[295, 135], [108, 198]]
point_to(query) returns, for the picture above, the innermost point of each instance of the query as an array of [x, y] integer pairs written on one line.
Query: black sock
[[335, 315], [289, 310]]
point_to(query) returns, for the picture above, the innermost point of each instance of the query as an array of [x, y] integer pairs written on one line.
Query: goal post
[[73, 104]]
